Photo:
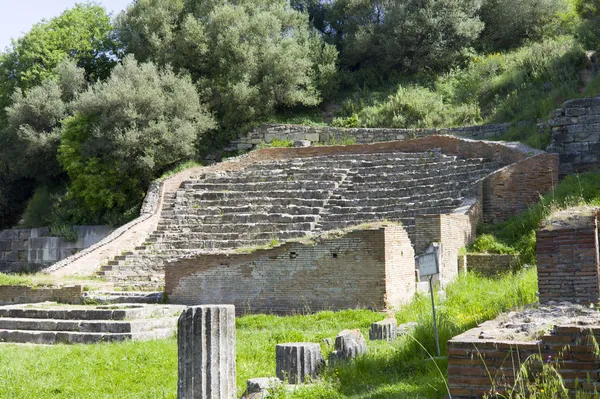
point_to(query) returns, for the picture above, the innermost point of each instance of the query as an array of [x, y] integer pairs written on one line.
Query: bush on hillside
[[126, 132]]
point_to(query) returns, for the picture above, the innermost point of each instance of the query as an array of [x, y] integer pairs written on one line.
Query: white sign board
[[428, 264]]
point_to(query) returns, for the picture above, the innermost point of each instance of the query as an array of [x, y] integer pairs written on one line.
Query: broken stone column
[[383, 330], [298, 360], [348, 345], [206, 350]]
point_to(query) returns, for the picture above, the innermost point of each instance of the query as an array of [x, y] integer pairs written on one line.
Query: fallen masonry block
[[259, 387], [383, 330], [348, 345], [406, 328], [297, 361], [206, 349]]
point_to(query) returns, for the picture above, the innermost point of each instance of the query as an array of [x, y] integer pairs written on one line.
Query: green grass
[[390, 370], [517, 234], [179, 168], [15, 279]]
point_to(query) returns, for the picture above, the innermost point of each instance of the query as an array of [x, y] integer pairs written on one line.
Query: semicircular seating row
[[292, 198]]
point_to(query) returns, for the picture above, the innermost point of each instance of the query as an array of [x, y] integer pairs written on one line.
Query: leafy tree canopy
[[83, 34], [126, 131], [247, 57]]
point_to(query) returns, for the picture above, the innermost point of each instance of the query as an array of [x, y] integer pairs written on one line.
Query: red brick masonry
[[567, 262], [478, 366]]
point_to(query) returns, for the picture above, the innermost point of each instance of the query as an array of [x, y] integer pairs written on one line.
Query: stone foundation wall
[[366, 268], [576, 135], [474, 363], [15, 294], [336, 135], [568, 264], [31, 249], [489, 265]]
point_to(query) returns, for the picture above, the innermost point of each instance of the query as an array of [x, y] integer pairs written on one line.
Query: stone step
[[391, 215], [359, 162], [234, 202], [245, 218], [193, 237], [248, 208], [174, 227], [454, 189], [407, 224], [292, 185], [419, 177], [123, 312], [223, 195], [411, 208], [83, 326], [303, 175], [111, 297], [69, 337]]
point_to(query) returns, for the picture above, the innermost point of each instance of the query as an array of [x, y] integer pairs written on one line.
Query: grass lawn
[[390, 370]]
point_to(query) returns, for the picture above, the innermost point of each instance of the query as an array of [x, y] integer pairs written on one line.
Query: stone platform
[[52, 323]]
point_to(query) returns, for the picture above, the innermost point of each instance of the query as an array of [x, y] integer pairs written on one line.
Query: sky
[[18, 16]]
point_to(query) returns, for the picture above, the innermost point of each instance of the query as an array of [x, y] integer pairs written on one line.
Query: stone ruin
[[334, 227], [563, 330]]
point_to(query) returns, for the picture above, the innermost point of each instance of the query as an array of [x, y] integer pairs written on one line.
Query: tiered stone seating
[[291, 198]]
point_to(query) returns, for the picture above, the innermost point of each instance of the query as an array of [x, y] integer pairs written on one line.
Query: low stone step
[[245, 218], [106, 326], [292, 185], [280, 175], [193, 237], [250, 208], [68, 337], [233, 202], [221, 195], [188, 226], [74, 312]]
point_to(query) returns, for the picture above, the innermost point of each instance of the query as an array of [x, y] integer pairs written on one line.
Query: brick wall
[[331, 135], [576, 135], [489, 265], [510, 190], [567, 262], [475, 366], [454, 231], [366, 268], [15, 294]]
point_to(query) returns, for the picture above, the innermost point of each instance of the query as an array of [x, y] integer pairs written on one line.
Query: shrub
[[128, 131]]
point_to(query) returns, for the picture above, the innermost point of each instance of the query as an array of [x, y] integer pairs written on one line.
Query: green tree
[[125, 132], [509, 23], [248, 58], [83, 34]]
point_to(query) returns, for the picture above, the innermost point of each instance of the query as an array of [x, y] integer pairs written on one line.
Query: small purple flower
[[549, 359]]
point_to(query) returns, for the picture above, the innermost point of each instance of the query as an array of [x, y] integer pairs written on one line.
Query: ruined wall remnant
[[576, 135], [489, 265], [336, 135], [365, 268], [567, 257], [31, 249]]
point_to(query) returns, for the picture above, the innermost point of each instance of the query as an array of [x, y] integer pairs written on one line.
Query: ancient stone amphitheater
[[258, 205]]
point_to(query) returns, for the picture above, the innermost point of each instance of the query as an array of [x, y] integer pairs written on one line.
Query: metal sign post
[[428, 264]]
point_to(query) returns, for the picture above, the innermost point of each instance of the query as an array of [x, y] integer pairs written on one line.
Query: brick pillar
[[567, 262], [206, 349]]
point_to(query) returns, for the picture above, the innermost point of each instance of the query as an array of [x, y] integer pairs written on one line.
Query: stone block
[[295, 362], [383, 330], [206, 351], [348, 345], [406, 328], [261, 384], [302, 143]]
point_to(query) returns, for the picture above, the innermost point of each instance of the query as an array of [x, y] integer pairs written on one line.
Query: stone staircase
[[52, 323], [274, 201]]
